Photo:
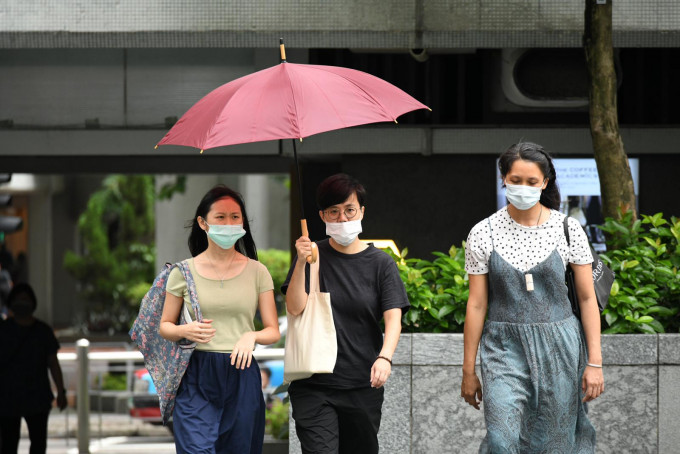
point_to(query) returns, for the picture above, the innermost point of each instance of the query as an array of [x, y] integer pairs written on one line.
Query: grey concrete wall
[[383, 24], [424, 413]]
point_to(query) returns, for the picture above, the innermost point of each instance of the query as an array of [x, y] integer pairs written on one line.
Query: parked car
[[144, 404]]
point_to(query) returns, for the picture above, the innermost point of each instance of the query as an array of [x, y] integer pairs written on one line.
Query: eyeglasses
[[333, 214]]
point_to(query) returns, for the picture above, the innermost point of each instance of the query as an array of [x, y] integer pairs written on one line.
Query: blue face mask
[[225, 236], [522, 197]]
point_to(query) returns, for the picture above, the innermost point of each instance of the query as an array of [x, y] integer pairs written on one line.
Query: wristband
[[599, 366], [385, 358]]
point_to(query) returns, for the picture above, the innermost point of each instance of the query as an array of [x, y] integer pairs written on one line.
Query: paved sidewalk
[[104, 425], [109, 433], [112, 445]]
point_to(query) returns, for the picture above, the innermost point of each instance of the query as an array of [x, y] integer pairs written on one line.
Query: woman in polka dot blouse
[[540, 365]]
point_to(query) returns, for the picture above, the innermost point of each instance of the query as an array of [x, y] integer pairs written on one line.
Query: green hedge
[[438, 291], [645, 254], [645, 298]]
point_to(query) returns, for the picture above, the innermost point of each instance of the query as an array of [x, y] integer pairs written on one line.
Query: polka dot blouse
[[524, 246]]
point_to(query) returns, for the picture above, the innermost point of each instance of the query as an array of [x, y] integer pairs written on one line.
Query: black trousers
[[337, 421], [10, 432]]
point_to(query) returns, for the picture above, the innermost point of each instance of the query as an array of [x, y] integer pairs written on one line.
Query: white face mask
[[344, 233], [522, 197]]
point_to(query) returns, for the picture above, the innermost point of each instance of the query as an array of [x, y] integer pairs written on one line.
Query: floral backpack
[[165, 360]]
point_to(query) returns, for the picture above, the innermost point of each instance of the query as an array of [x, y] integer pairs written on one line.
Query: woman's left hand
[[380, 372], [242, 353], [592, 383]]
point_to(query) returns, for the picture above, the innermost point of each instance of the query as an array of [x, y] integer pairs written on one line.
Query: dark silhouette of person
[[29, 350]]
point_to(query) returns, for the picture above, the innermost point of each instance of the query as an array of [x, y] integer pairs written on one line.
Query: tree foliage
[[116, 264]]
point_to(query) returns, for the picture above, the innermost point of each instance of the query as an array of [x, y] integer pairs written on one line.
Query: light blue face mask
[[522, 197], [225, 236]]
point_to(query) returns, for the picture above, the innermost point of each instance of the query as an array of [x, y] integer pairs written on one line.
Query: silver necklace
[[215, 269]]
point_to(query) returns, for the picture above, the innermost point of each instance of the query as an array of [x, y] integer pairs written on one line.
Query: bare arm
[[270, 333], [471, 388], [194, 331], [593, 378], [58, 378], [242, 353], [296, 296], [382, 368]]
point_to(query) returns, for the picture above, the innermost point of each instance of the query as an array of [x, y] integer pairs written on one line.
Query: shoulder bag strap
[[493, 246], [191, 288], [314, 275], [566, 229]]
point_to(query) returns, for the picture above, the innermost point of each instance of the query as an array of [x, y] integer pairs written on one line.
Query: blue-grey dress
[[532, 358]]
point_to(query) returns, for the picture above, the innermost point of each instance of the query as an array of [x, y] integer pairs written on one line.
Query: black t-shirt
[[24, 352], [362, 286]]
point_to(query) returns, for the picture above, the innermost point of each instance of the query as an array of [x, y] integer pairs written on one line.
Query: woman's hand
[[242, 354], [201, 333], [380, 372], [303, 246], [61, 400], [592, 383], [471, 389]]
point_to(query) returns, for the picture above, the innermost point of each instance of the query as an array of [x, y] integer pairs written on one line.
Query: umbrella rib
[[297, 118], [344, 125], [368, 94]]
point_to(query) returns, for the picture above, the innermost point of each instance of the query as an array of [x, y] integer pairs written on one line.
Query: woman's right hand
[[303, 246], [200, 332], [471, 389]]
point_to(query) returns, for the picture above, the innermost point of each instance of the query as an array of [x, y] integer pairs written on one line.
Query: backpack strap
[[191, 288]]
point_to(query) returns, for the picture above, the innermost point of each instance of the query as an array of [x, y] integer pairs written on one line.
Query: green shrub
[[277, 262], [277, 420], [438, 291], [117, 257], [645, 255], [114, 382]]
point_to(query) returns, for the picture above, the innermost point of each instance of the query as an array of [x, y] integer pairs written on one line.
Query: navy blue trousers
[[219, 409]]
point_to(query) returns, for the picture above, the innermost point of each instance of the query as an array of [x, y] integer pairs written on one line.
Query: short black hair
[[338, 188], [22, 289]]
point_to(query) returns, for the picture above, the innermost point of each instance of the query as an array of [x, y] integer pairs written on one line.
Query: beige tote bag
[[311, 342]]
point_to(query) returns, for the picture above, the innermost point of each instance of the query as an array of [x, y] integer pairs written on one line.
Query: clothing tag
[[530, 282]]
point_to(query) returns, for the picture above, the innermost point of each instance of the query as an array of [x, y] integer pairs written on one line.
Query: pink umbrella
[[288, 101]]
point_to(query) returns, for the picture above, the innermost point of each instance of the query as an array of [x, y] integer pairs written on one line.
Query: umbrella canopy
[[288, 101]]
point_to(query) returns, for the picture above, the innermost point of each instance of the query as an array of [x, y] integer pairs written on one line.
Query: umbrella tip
[[395, 121], [156, 147], [282, 50], [201, 150]]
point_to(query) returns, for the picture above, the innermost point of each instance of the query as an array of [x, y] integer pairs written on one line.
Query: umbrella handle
[[315, 253]]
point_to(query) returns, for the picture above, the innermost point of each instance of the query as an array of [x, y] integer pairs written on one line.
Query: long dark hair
[[527, 151], [198, 240]]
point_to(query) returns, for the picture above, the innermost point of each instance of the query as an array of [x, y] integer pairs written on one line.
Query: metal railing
[[82, 358]]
